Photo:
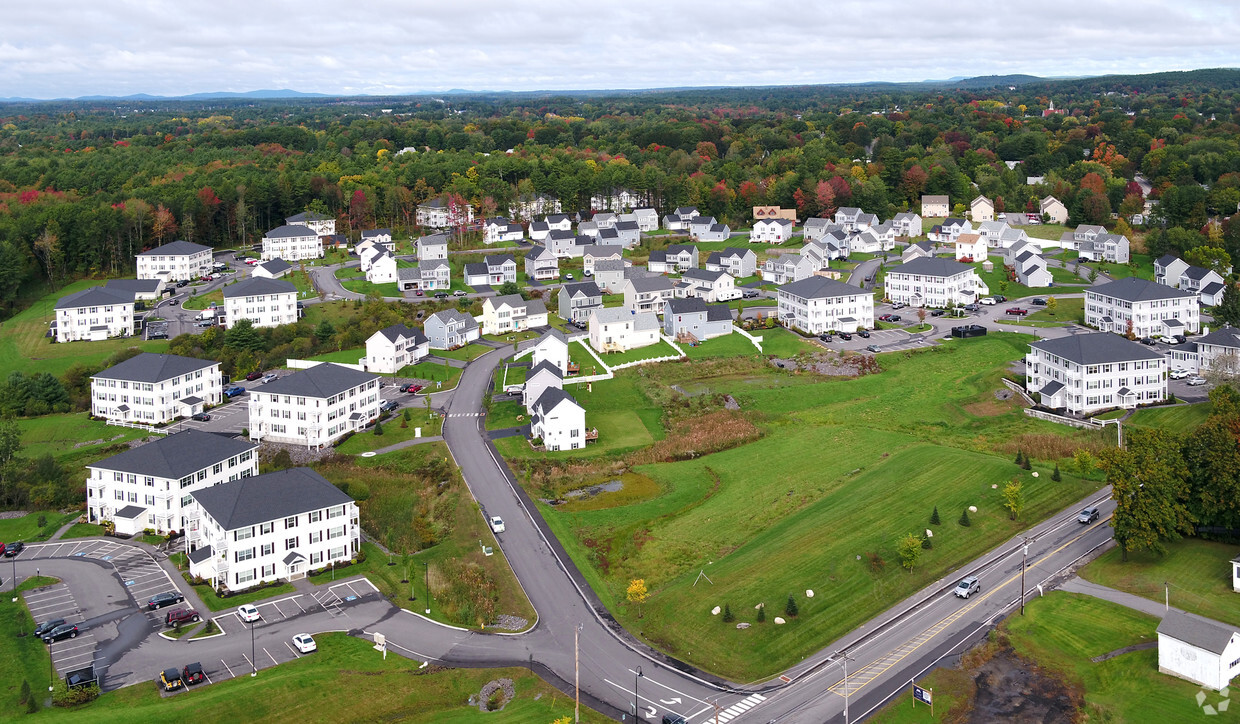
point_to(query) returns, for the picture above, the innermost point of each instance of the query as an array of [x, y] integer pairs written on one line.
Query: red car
[[1017, 312], [254, 375], [410, 387]]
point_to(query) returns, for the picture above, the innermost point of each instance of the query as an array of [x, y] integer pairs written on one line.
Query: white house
[[1219, 350], [949, 230], [818, 305], [1153, 309], [712, 286], [439, 214], [786, 268], [1054, 210], [527, 206], [271, 527], [382, 268], [553, 348], [511, 313], [392, 348], [95, 314], [553, 222], [907, 224], [771, 231], [921, 248], [934, 282], [273, 269], [265, 302], [970, 248], [1105, 247], [315, 406], [427, 275], [320, 224], [433, 247], [501, 229], [935, 206], [558, 421], [174, 261], [693, 317], [981, 209], [992, 232], [616, 329], [155, 388], [612, 274], [740, 263], [1087, 373], [816, 227], [541, 265], [492, 270], [1198, 649], [543, 374], [1198, 279], [647, 294], [381, 237], [1031, 270], [577, 301], [615, 200], [450, 329], [292, 242], [647, 219], [1168, 269], [151, 483]]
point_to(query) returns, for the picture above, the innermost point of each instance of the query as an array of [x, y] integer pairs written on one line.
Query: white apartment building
[[95, 314], [277, 526], [392, 348], [265, 302], [934, 282], [292, 242], [174, 261], [501, 229], [1087, 373], [149, 486], [155, 388], [315, 406], [320, 224], [818, 305], [439, 214], [1154, 309]]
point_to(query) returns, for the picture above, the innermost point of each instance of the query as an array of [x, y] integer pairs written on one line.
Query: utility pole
[[636, 701], [253, 658], [577, 672], [845, 658], [1167, 595], [1023, 564], [426, 568]]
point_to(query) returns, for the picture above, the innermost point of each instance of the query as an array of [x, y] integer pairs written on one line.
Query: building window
[[266, 528], [315, 516], [244, 533], [268, 549], [290, 544], [245, 576], [245, 554], [269, 571], [316, 558]]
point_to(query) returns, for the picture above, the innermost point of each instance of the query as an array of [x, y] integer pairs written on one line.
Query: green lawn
[[731, 345], [392, 432], [72, 438], [27, 529], [658, 349], [780, 342], [1180, 418], [1199, 572], [83, 530], [361, 286], [1065, 312], [505, 414], [998, 282], [1066, 276], [468, 352], [351, 356], [435, 372], [202, 301], [23, 345]]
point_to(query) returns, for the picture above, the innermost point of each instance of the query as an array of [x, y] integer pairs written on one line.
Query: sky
[[70, 48]]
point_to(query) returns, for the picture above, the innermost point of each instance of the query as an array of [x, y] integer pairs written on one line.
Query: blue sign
[[925, 696], [350, 598], [80, 554], [128, 583]]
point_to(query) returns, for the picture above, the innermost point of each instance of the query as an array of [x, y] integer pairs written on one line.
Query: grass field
[[1066, 276], [658, 349], [27, 529], [732, 345], [392, 432], [434, 372], [1198, 571], [468, 352], [361, 286], [23, 345], [1180, 418], [72, 438], [202, 301], [350, 356]]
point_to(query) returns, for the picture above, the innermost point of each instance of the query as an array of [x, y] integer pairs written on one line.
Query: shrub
[[378, 428], [1026, 464], [1055, 475], [790, 608], [877, 564], [927, 542], [24, 696], [727, 614], [1020, 457], [964, 518], [42, 521], [934, 517], [761, 613]]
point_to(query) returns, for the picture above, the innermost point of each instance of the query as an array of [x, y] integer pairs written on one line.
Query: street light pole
[[577, 672], [636, 704], [253, 658], [845, 658], [1023, 564], [426, 567]]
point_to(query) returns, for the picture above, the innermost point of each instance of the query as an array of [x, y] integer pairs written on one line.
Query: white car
[[1195, 381], [304, 643], [497, 524], [989, 301], [248, 612], [1178, 374]]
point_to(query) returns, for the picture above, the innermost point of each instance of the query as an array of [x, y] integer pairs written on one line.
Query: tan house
[[1054, 209], [774, 212], [981, 209], [938, 206]]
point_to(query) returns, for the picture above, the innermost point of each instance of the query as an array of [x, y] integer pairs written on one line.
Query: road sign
[[925, 696]]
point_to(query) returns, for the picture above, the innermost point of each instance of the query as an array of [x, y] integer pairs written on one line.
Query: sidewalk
[[1136, 603], [408, 443]]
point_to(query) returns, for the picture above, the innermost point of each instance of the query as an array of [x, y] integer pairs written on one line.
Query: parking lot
[[55, 602], [141, 576]]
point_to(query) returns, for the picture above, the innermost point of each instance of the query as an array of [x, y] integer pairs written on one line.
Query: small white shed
[[1235, 574], [1198, 649]]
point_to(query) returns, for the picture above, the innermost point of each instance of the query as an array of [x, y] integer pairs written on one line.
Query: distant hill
[[254, 94]]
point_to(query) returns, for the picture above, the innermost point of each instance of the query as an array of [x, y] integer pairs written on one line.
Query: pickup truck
[[1017, 311]]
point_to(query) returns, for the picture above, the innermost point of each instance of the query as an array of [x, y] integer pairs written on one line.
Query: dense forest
[[86, 185]]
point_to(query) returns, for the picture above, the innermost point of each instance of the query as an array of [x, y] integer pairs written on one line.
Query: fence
[[1069, 421], [757, 341], [1019, 390], [139, 426], [301, 364]]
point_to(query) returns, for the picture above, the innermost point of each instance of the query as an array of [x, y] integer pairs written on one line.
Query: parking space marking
[[251, 663], [290, 648], [226, 666], [277, 607], [273, 659], [303, 608], [208, 676]]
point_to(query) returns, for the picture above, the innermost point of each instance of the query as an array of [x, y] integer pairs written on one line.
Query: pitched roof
[[546, 365], [1095, 348], [275, 266], [307, 216], [704, 275], [718, 313], [1225, 336], [150, 367], [262, 498], [434, 240], [321, 380], [94, 297], [176, 455], [606, 265], [649, 284], [1211, 289], [551, 398], [1166, 260], [397, 331], [817, 287], [1132, 289], [376, 232], [539, 251], [476, 269], [1196, 272], [934, 199], [498, 259], [453, 315], [135, 286], [931, 266], [176, 248], [686, 305], [1196, 631], [258, 285], [588, 289], [732, 251], [290, 230]]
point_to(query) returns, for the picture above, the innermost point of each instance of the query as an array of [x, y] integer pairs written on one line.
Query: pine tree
[[964, 518], [926, 542], [791, 607], [378, 428], [934, 517], [1055, 475], [727, 613], [1025, 463], [761, 613], [25, 692], [1020, 456]]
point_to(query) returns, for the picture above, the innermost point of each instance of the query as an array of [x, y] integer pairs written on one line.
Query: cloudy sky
[[68, 48]]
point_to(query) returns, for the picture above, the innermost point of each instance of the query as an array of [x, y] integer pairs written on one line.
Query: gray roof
[[434, 240], [604, 265], [454, 315], [718, 313], [397, 331], [934, 199], [547, 365], [1166, 260], [262, 498], [931, 266], [512, 300], [498, 259], [150, 367], [176, 248], [1196, 272], [588, 289], [307, 216], [626, 226], [551, 399], [275, 266], [539, 251], [258, 285], [177, 455], [906, 215], [373, 232], [1096, 348], [1132, 289], [321, 380], [649, 284], [1196, 631], [289, 231], [704, 275], [1050, 388], [675, 249], [135, 286], [1225, 336], [95, 297], [687, 305], [733, 251], [129, 512], [601, 251], [926, 246], [658, 255], [476, 269], [817, 287], [1211, 289], [607, 315], [198, 555]]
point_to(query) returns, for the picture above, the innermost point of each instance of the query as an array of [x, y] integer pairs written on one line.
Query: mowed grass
[[350, 356], [1180, 418], [731, 345], [71, 438], [24, 347], [26, 528], [659, 349], [1198, 571], [468, 352]]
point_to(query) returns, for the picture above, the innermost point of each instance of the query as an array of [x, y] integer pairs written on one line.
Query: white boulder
[[809, 593], [779, 620], [715, 611]]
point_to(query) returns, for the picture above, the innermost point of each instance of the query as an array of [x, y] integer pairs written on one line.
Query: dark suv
[[193, 674], [47, 626]]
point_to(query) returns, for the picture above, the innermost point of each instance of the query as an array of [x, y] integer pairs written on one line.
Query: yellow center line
[[880, 666]]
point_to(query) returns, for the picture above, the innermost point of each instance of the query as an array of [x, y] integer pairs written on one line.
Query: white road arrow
[[670, 701], [650, 714]]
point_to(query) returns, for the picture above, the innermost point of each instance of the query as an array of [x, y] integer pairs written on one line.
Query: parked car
[[441, 295], [874, 348], [167, 598], [967, 587], [497, 524], [233, 391], [749, 294], [12, 549], [417, 292], [193, 673], [893, 317], [1179, 338], [990, 301], [248, 612], [182, 283], [863, 333], [269, 377], [63, 631], [938, 312], [826, 337], [1167, 339], [47, 626], [1087, 516], [1016, 311], [253, 376], [459, 293], [514, 389], [201, 417], [304, 643], [569, 276], [170, 679], [389, 405], [251, 262], [1038, 302], [1192, 381], [204, 323], [999, 298], [845, 336], [1178, 374], [1148, 341], [181, 616]]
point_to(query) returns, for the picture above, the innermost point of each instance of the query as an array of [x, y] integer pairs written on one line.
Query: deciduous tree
[[1149, 483]]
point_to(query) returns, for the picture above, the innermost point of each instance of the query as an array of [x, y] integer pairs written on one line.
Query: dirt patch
[[830, 364], [990, 408], [1010, 689]]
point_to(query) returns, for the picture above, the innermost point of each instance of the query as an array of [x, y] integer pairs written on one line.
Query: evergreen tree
[[1055, 475], [1020, 456], [727, 613], [761, 613], [964, 518], [934, 517], [24, 696], [1228, 310], [378, 428], [790, 608]]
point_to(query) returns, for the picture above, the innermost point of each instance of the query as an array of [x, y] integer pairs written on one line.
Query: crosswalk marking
[[741, 707], [466, 414]]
